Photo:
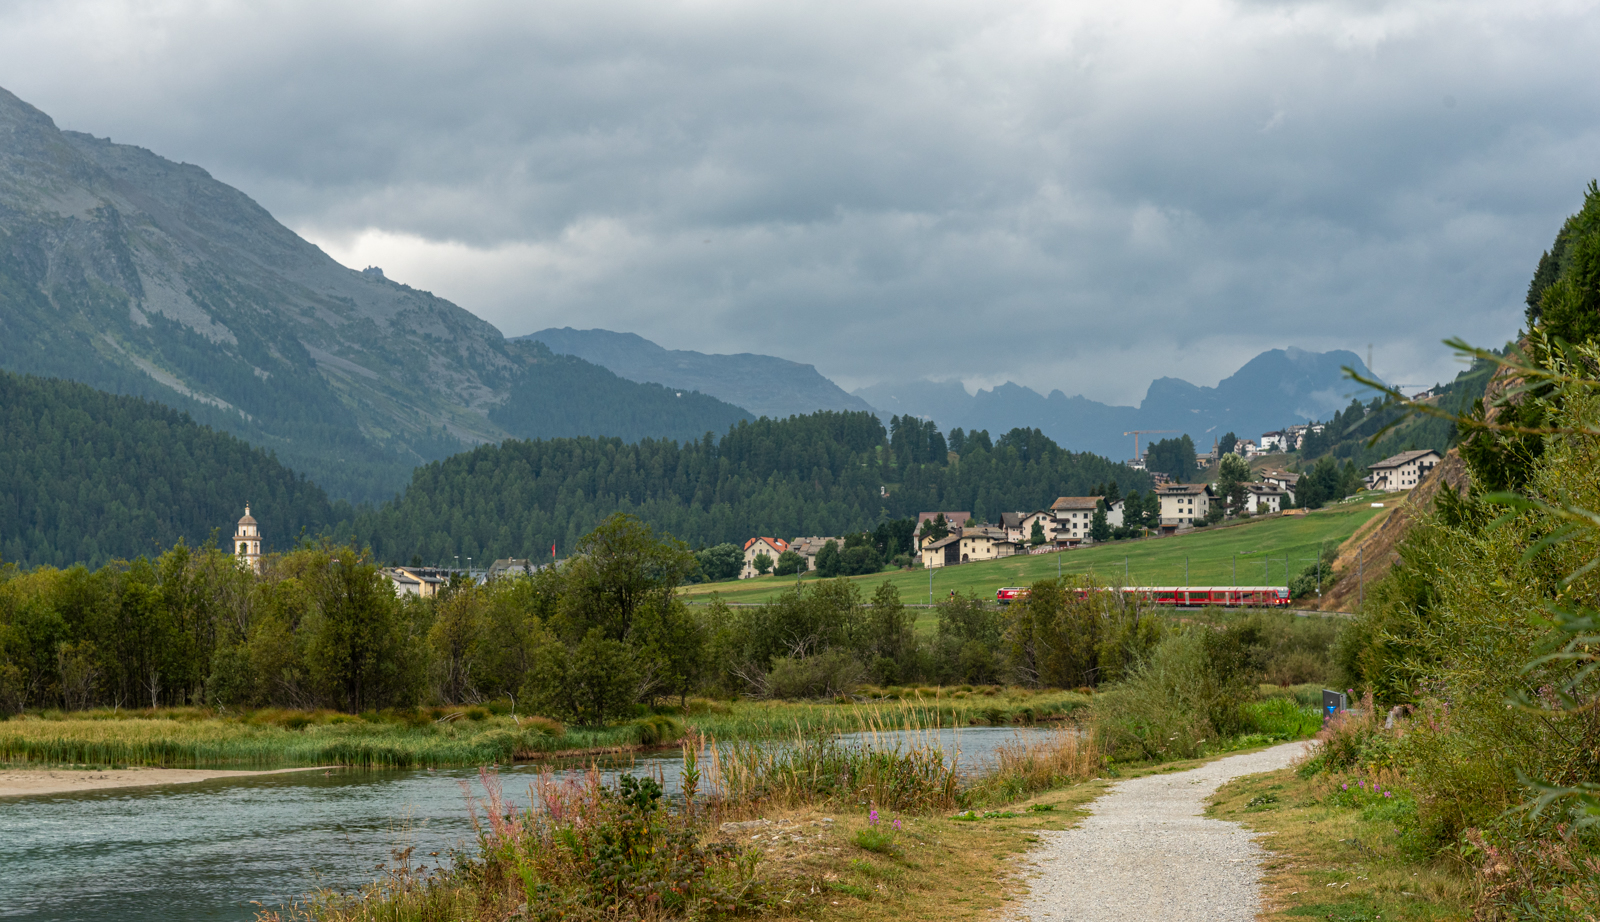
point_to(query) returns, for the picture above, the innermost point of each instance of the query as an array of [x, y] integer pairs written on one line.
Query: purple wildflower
[[872, 818], [897, 824]]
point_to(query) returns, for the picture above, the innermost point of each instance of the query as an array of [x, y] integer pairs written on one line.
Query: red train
[[1181, 596]]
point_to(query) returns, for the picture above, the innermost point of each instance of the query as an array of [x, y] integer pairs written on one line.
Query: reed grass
[[463, 736], [220, 742], [1025, 767]]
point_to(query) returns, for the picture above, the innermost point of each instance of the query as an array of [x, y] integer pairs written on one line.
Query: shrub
[[825, 675]]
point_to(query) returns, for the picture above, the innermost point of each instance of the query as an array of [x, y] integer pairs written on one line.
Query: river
[[212, 850]]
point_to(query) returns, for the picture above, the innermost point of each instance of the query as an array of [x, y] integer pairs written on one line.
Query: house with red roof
[[755, 547]]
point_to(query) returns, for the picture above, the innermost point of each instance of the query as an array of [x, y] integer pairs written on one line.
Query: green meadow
[[1257, 552]]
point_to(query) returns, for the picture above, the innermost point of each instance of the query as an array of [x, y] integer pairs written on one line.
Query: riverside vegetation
[[1466, 778]]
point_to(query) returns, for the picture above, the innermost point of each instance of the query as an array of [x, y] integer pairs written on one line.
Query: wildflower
[[1388, 793], [1345, 786], [872, 818], [897, 824]]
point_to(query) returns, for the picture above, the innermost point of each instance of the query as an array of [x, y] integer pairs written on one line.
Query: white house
[[1075, 514], [1403, 471], [1263, 497], [772, 547], [1282, 480], [1183, 504], [1047, 523], [1272, 441]]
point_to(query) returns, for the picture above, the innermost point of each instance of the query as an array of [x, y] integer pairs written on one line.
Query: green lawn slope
[[1255, 550]]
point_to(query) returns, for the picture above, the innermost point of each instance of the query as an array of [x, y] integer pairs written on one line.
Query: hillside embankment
[[1369, 553]]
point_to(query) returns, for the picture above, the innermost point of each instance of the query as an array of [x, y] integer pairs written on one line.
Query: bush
[[1191, 691], [825, 675], [720, 562], [790, 563]]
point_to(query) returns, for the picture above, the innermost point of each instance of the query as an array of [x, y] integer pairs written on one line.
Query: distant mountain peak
[[763, 384], [1276, 388]]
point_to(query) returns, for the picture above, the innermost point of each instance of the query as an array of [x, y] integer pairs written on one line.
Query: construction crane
[[1138, 432]]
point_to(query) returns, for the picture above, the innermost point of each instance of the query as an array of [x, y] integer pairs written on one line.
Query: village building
[[247, 542], [1283, 480], [945, 552], [511, 566], [1262, 498], [1272, 441], [985, 544], [1047, 524], [954, 520], [965, 545], [1183, 504], [1403, 471], [1012, 523], [422, 582], [1075, 514], [754, 548], [808, 548]]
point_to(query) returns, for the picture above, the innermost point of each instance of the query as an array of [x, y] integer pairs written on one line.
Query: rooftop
[[1405, 457]]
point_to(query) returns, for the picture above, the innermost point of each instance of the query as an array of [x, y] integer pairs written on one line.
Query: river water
[[214, 850]]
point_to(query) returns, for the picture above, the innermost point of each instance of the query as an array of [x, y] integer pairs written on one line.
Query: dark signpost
[[1332, 703]]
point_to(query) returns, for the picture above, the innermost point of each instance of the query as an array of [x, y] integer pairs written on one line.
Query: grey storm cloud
[[1069, 195]]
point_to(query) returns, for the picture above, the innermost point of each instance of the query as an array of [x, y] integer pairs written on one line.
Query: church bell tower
[[247, 542]]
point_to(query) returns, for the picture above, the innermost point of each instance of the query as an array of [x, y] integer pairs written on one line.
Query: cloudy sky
[[1073, 195]]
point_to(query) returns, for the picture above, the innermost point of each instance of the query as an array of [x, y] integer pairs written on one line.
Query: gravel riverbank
[[1146, 852]]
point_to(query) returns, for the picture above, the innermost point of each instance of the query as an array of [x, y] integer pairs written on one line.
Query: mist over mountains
[[1275, 389], [137, 275]]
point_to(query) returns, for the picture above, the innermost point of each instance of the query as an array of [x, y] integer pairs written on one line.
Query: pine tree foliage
[[86, 477], [822, 474]]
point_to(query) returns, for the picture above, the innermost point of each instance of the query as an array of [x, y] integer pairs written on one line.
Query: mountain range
[[137, 275], [763, 384], [1277, 388]]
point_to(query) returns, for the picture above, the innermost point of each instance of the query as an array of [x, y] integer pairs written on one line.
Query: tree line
[[829, 473], [90, 477], [586, 642]]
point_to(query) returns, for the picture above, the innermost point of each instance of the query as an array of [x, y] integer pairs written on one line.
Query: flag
[[552, 550]]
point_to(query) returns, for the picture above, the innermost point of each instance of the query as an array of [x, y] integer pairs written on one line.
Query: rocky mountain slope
[[134, 274], [1275, 389], [763, 384]]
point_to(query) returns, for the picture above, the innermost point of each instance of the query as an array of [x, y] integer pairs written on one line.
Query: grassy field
[[1251, 553]]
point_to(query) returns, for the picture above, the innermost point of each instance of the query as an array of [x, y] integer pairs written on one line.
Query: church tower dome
[[247, 542]]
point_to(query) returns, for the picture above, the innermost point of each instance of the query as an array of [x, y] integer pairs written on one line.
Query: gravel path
[[1146, 853]]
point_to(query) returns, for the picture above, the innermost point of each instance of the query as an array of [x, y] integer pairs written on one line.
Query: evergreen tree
[[1099, 527]]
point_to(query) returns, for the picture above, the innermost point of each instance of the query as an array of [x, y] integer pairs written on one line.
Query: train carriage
[[1180, 596]]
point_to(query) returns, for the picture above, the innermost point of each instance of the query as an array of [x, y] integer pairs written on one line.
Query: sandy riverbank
[[24, 782]]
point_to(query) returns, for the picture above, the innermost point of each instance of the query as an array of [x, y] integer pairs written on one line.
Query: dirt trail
[[1146, 852]]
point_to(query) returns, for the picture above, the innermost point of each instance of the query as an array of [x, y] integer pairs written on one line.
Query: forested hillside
[[563, 396], [87, 477], [823, 474], [138, 275]]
